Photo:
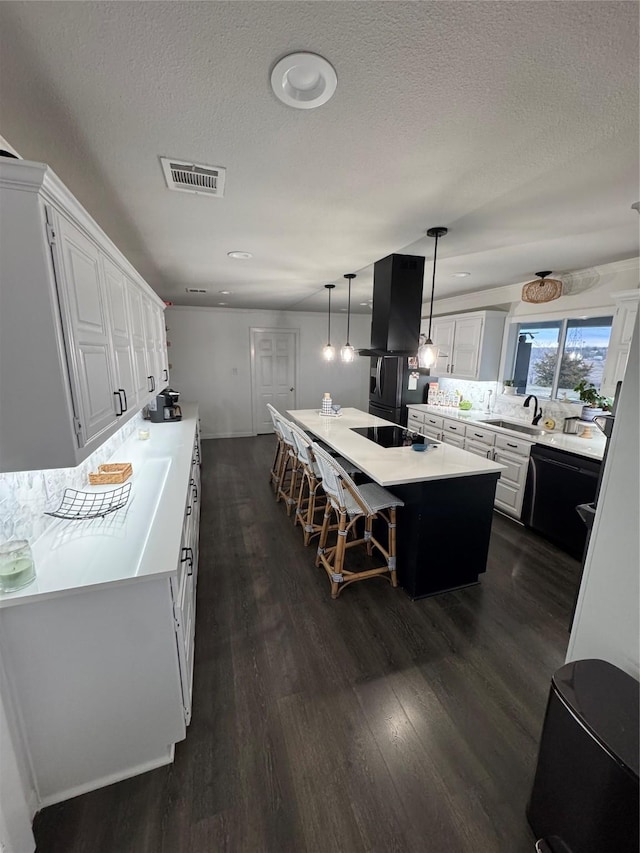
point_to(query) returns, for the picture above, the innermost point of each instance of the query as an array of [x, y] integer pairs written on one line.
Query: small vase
[[509, 390]]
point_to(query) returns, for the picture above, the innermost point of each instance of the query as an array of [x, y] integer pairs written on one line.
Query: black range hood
[[397, 304]]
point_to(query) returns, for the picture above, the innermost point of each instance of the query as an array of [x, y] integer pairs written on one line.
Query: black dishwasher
[[557, 481]]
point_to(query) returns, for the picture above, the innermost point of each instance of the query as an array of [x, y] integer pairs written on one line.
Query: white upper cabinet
[[620, 342], [75, 355], [468, 345]]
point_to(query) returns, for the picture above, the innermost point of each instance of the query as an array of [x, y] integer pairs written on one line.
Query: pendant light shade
[[427, 351], [328, 351], [347, 353]]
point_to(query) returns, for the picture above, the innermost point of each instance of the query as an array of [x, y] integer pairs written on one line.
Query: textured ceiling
[[515, 124]]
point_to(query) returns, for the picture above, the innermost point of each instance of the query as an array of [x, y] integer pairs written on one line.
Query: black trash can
[[585, 792]]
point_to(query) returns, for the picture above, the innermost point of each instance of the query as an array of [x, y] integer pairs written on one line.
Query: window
[[554, 355]]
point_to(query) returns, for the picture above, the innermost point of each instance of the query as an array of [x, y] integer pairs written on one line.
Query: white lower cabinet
[[101, 674], [483, 441]]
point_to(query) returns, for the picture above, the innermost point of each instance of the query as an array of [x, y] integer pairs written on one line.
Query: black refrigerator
[[389, 392]]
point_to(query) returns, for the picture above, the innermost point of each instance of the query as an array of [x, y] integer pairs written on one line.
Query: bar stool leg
[[324, 533], [338, 557], [392, 546]]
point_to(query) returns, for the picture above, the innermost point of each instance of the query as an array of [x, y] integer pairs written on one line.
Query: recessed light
[[222, 303], [303, 80], [364, 303], [343, 309], [239, 256], [460, 274], [224, 292]]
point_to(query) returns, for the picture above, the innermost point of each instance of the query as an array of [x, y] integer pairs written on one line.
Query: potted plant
[[509, 387], [594, 403]]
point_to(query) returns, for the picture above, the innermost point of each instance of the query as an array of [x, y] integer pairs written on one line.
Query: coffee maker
[[164, 407]]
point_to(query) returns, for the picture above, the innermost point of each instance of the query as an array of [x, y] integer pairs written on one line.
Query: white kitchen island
[[448, 495], [98, 650]]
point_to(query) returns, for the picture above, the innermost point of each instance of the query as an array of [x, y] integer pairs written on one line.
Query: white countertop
[[390, 466], [591, 447], [140, 540]]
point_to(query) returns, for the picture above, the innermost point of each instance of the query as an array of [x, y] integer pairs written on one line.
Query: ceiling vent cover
[[193, 177], [195, 290]]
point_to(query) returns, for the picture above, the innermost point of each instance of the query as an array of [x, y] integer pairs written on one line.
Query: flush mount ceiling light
[[224, 292], [303, 80], [427, 352], [347, 353], [329, 352], [240, 256], [460, 274]]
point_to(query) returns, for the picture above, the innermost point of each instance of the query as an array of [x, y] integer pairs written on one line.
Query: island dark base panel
[[443, 533]]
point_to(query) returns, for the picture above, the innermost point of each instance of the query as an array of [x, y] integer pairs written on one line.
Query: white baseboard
[[152, 764]]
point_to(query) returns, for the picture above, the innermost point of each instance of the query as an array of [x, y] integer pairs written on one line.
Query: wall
[[607, 620], [211, 364]]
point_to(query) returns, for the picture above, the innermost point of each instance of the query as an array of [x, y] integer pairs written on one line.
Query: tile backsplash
[[509, 406], [25, 495]]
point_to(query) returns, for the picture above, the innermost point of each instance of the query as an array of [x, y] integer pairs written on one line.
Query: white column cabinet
[[620, 342], [75, 355], [468, 345]]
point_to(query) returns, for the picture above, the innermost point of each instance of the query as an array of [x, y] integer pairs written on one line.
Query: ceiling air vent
[[195, 290], [193, 177]]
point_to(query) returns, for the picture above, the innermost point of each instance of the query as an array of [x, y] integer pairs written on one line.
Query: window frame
[[511, 338]]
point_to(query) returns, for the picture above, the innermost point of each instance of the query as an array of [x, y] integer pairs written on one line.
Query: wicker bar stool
[[350, 503], [289, 465], [307, 504], [274, 477]]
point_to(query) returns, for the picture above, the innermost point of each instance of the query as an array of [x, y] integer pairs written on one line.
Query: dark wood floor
[[370, 723]]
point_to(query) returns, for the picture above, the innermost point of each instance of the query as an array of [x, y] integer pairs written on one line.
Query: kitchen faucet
[[537, 411]]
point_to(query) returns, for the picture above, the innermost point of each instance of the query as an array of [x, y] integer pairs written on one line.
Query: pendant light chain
[[348, 353], [433, 286], [328, 352]]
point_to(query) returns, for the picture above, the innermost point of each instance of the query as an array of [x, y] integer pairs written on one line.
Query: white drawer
[[454, 427], [516, 467], [479, 448], [513, 445], [433, 421], [430, 432], [485, 436], [414, 421], [508, 498], [452, 438]]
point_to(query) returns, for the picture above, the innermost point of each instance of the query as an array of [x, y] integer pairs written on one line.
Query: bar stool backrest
[[337, 483], [285, 431], [275, 415], [303, 445]]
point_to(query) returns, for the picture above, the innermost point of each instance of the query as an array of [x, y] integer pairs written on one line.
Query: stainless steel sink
[[526, 428]]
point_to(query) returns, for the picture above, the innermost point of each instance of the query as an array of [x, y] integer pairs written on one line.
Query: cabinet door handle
[[116, 394], [479, 434], [195, 494], [150, 381], [452, 366], [166, 374], [448, 366], [512, 445], [188, 512], [124, 394], [187, 556]]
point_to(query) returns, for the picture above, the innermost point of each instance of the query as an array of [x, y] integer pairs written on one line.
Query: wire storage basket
[[78, 505]]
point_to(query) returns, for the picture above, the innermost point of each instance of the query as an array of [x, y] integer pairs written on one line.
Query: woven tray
[[116, 472]]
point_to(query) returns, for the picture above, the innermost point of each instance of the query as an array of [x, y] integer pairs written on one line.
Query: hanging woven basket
[[543, 289]]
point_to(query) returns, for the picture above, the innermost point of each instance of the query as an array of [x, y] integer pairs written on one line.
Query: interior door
[[273, 370]]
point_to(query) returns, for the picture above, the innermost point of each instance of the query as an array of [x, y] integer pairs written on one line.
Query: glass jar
[[17, 568]]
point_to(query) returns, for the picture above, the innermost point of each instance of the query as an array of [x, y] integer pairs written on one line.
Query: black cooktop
[[391, 436]]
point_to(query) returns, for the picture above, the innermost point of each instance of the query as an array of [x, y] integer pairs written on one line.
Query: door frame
[[258, 330]]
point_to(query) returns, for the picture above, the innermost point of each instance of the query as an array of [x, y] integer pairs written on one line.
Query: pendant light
[[347, 353], [427, 352], [329, 352]]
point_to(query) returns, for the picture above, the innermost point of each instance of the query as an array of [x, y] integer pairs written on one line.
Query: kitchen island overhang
[[445, 525]]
